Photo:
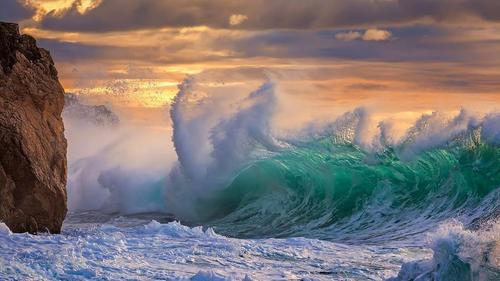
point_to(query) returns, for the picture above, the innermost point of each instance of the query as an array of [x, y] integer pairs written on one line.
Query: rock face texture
[[32, 142]]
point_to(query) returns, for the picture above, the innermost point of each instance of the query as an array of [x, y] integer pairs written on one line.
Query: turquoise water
[[335, 190]]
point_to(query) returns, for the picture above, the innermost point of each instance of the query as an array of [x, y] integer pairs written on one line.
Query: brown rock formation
[[32, 142]]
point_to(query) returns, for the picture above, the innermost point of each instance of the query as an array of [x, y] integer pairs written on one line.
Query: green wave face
[[335, 190]]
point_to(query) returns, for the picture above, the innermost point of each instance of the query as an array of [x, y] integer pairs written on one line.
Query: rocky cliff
[[32, 143]]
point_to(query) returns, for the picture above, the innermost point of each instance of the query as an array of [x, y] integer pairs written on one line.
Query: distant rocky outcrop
[[99, 115], [32, 142]]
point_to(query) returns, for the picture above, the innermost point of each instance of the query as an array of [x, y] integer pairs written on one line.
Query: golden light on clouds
[[372, 34], [237, 19], [140, 61], [57, 6]]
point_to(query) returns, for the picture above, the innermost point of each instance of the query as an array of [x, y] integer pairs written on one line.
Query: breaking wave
[[332, 181]]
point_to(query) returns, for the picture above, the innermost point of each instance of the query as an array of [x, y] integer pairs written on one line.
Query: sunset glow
[[142, 62]]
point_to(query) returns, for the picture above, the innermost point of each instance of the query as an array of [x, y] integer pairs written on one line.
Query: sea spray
[[458, 254], [212, 145], [341, 180], [115, 167], [338, 181]]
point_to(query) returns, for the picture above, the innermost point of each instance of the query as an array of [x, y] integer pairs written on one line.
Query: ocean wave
[[333, 190], [333, 181], [342, 180]]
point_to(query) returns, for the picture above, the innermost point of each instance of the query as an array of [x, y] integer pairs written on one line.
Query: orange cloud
[[375, 34]]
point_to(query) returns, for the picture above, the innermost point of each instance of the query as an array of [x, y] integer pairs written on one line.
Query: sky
[[392, 56]]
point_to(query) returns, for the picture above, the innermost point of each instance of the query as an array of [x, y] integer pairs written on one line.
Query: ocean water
[[125, 248], [240, 202], [155, 251], [319, 210]]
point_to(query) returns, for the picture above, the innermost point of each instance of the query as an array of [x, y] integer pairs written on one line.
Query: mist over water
[[117, 168]]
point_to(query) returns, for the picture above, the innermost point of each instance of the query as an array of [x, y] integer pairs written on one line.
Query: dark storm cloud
[[415, 43], [264, 14], [79, 52], [412, 43], [13, 11], [67, 51]]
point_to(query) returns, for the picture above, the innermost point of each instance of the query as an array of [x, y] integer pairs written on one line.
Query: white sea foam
[[459, 254], [156, 251]]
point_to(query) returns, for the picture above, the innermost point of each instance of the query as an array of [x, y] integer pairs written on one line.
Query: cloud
[[348, 36], [372, 34], [204, 45], [376, 35], [14, 11], [111, 15], [237, 19]]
